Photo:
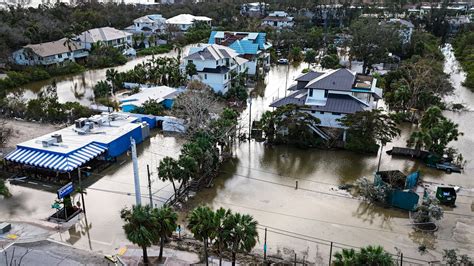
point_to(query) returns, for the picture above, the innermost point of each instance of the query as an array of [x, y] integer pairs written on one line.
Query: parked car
[[283, 61]]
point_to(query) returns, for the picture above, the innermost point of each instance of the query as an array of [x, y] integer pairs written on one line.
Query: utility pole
[[149, 184], [330, 254], [138, 194], [81, 190], [265, 247], [380, 157], [250, 117]]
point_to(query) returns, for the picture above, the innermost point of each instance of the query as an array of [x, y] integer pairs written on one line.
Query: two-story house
[[184, 22], [216, 65], [249, 45], [331, 95], [50, 53], [278, 20], [148, 24], [107, 36], [255, 9]]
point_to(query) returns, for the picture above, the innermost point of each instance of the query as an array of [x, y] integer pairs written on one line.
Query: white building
[[107, 36], [278, 20], [148, 24], [161, 94], [216, 65], [332, 95], [185, 21], [255, 9], [50, 53]]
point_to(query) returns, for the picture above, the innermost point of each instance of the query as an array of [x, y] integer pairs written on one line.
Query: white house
[[50, 53], [332, 95], [107, 36], [279, 20], [185, 21], [216, 65], [255, 9], [249, 45], [148, 24]]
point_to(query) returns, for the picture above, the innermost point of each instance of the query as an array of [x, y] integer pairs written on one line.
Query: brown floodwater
[[260, 180], [79, 87]]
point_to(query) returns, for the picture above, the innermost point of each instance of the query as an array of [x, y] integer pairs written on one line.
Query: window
[[326, 93], [190, 62], [68, 54], [310, 92], [60, 55], [205, 76], [313, 112], [336, 113], [321, 112]]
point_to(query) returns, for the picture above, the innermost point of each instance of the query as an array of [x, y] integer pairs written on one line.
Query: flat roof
[[72, 140], [159, 94]]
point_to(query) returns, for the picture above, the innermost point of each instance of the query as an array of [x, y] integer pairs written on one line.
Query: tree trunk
[[174, 187], [205, 252], [233, 258], [162, 243], [145, 256], [220, 253]]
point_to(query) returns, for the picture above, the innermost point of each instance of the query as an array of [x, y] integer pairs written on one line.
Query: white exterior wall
[[216, 81], [21, 58], [252, 67], [328, 119]]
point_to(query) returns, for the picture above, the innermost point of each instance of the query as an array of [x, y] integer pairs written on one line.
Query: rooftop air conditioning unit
[[58, 137], [48, 142], [81, 122]]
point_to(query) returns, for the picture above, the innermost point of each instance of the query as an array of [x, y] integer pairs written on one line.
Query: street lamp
[[80, 186]]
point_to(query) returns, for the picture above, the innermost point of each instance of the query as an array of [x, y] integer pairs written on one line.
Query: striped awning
[[55, 161]]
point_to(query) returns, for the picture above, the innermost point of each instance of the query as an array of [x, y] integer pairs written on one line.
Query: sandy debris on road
[[23, 131]]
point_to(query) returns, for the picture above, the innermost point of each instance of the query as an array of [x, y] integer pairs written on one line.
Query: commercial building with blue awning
[[103, 136]]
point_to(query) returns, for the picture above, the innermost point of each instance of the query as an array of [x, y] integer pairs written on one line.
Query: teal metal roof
[[251, 44]]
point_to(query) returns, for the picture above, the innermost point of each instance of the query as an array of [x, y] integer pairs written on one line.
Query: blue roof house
[[250, 45]]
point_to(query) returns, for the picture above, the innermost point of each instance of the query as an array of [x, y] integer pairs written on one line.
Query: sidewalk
[[46, 252], [132, 256]]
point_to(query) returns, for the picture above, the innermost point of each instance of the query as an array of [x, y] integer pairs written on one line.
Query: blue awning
[[55, 161]]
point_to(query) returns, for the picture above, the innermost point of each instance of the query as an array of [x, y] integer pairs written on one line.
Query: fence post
[[295, 258], [330, 254], [401, 259]]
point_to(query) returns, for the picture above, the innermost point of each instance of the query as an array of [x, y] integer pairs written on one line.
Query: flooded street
[[260, 181], [79, 87]]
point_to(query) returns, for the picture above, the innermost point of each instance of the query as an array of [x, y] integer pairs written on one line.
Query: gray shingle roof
[[336, 103], [309, 76], [212, 52], [340, 80]]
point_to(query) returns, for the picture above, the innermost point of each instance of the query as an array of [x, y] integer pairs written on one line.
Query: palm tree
[[168, 171], [241, 233], [140, 227], [112, 75], [187, 169], [220, 230], [165, 225], [370, 256], [345, 258], [202, 224]]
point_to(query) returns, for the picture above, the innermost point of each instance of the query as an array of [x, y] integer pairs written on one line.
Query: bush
[[155, 50], [238, 93], [104, 56], [65, 69]]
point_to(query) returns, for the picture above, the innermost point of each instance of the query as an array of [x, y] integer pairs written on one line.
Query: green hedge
[[161, 49]]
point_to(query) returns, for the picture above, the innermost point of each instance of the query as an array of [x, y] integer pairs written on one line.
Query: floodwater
[[79, 87], [261, 181]]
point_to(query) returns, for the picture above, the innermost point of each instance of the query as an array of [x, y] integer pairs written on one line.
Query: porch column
[[344, 135]]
